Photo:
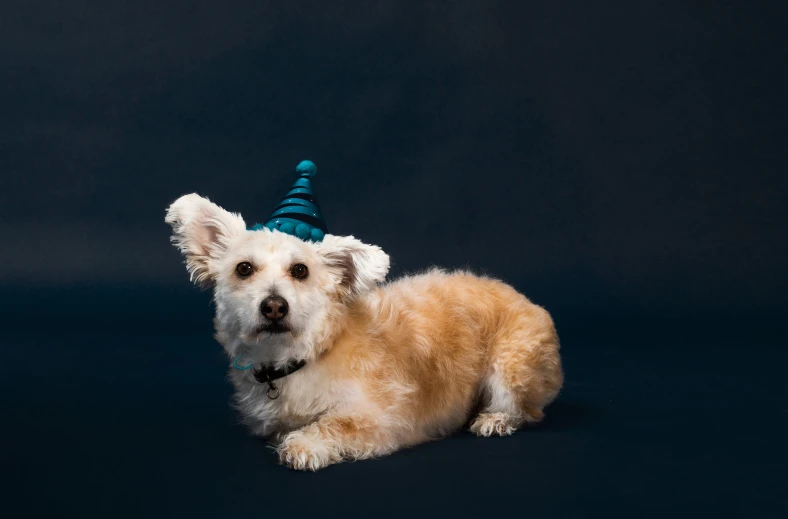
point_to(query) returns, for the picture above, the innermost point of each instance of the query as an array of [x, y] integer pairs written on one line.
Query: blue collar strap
[[241, 368]]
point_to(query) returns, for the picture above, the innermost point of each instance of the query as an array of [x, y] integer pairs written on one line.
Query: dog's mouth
[[273, 327]]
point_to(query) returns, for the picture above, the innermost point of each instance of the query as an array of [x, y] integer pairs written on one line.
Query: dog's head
[[276, 296]]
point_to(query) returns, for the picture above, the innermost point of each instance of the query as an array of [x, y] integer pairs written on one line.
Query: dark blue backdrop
[[623, 165]]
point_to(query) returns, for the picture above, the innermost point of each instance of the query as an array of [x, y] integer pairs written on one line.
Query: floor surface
[[133, 421]]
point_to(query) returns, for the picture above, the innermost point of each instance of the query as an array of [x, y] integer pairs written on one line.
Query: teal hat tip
[[298, 214], [306, 168]]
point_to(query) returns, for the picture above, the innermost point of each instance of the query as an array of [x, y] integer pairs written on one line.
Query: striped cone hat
[[298, 214]]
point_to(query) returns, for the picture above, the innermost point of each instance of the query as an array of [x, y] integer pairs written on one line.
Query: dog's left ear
[[356, 266]]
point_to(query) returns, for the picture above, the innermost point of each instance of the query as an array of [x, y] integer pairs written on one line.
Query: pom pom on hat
[[306, 168]]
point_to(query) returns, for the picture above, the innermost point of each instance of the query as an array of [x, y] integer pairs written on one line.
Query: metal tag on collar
[[273, 391]]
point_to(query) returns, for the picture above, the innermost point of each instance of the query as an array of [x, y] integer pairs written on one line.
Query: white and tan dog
[[385, 366]]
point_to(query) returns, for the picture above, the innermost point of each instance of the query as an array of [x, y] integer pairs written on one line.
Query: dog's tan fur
[[387, 366]]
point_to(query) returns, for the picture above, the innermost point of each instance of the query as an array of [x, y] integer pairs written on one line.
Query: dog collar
[[268, 374]]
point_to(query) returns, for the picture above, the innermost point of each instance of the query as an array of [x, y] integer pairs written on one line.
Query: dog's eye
[[299, 271], [244, 269]]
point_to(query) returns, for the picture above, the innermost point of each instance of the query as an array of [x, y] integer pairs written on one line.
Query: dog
[[329, 363]]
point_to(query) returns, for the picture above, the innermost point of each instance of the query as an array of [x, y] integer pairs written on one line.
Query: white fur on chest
[[303, 397]]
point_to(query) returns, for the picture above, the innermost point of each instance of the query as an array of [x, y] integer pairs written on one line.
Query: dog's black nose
[[274, 307]]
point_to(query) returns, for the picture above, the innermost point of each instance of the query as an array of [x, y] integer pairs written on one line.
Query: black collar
[[268, 375]]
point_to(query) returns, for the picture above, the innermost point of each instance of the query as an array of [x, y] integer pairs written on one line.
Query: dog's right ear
[[202, 231]]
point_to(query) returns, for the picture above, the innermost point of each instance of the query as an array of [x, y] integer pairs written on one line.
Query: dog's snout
[[274, 307]]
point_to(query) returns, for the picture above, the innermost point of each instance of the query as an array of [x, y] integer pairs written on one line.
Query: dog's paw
[[488, 424], [300, 451]]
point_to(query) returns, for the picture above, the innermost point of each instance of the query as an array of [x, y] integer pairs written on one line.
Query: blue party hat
[[298, 214]]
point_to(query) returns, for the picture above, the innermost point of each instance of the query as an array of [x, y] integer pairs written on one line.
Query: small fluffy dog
[[346, 369]]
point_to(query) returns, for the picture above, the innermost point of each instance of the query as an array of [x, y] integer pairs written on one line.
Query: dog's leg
[[525, 374], [331, 439]]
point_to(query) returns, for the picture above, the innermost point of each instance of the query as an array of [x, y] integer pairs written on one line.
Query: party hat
[[298, 214]]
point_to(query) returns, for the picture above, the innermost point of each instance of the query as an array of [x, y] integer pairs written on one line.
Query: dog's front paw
[[301, 451]]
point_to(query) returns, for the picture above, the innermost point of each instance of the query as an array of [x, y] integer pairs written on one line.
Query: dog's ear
[[202, 230], [356, 266]]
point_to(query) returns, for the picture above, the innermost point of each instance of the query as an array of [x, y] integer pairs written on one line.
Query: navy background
[[623, 165]]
